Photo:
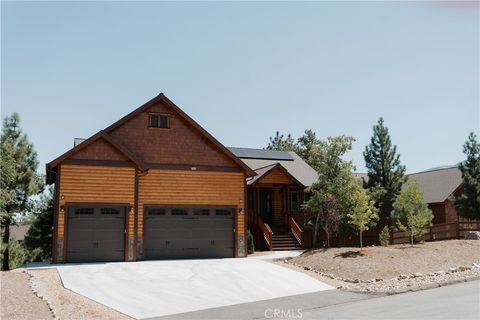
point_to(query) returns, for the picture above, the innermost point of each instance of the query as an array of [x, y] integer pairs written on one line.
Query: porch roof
[[296, 167]]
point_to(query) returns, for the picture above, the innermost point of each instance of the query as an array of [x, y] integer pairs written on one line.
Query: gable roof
[[188, 119], [296, 168], [438, 184], [262, 172], [250, 153], [99, 135], [105, 134]]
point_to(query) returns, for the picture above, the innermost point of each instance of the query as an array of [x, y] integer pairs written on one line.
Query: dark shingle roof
[[249, 153], [438, 184], [266, 159]]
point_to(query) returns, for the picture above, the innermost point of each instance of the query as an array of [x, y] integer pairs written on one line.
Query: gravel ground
[[389, 262], [18, 300], [67, 304]]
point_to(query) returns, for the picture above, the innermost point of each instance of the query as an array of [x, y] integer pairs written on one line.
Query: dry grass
[[389, 262]]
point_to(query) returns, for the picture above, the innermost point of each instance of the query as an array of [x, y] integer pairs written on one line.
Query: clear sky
[[245, 70]]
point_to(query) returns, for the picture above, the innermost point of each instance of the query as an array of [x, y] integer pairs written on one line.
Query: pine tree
[[468, 204], [38, 239], [19, 178], [305, 145], [282, 143], [385, 173]]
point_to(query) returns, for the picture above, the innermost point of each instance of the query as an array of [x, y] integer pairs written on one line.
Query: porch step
[[285, 241]]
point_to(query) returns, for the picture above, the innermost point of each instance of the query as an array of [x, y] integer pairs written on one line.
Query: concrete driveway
[[148, 289]]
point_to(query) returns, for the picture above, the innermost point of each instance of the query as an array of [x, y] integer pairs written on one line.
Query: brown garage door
[[194, 232], [95, 233]]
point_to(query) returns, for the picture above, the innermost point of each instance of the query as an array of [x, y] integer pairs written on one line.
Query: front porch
[[275, 217]]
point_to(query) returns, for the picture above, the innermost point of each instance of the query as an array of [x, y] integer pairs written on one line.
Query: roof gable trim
[[189, 120], [161, 97], [99, 135], [282, 168]]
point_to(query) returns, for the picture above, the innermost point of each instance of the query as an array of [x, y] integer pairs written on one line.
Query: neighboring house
[[19, 232], [437, 186], [152, 185], [275, 196]]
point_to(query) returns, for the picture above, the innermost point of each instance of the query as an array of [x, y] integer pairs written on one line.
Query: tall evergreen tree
[[305, 145], [38, 239], [386, 175], [282, 143], [468, 204], [19, 178]]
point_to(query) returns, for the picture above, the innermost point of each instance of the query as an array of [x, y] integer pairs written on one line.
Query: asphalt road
[[456, 302]]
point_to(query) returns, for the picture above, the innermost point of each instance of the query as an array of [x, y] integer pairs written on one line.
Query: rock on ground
[[472, 235], [389, 262], [67, 304]]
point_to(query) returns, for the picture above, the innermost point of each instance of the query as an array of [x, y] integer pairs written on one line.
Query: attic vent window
[[159, 121]]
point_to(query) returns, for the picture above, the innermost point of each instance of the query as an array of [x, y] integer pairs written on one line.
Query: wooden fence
[[442, 231]]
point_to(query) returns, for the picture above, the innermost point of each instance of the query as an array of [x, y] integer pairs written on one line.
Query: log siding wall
[[94, 185], [112, 185], [181, 187]]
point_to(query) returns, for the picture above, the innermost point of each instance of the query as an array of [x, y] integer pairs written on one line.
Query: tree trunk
[[328, 237], [411, 238], [361, 244], [315, 231], [5, 240]]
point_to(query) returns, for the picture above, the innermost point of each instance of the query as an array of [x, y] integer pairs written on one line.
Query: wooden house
[[152, 185]]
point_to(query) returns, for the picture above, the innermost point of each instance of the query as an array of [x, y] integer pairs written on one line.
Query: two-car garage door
[[188, 232], [97, 233]]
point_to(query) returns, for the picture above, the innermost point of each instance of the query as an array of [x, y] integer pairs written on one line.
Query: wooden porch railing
[[296, 230], [266, 231]]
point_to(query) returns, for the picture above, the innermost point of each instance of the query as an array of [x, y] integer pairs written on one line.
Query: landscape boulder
[[472, 235]]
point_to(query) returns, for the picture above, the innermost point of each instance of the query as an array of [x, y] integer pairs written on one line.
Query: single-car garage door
[[193, 232], [95, 233]]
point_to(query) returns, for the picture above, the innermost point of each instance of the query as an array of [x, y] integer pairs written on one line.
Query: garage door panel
[[204, 224], [197, 233], [109, 235], [79, 248], [95, 233], [111, 244]]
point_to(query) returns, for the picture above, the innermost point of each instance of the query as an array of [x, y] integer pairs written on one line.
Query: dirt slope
[[389, 262], [18, 300]]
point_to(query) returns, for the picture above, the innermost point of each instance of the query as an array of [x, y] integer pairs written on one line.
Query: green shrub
[[251, 244], [18, 255], [384, 237]]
